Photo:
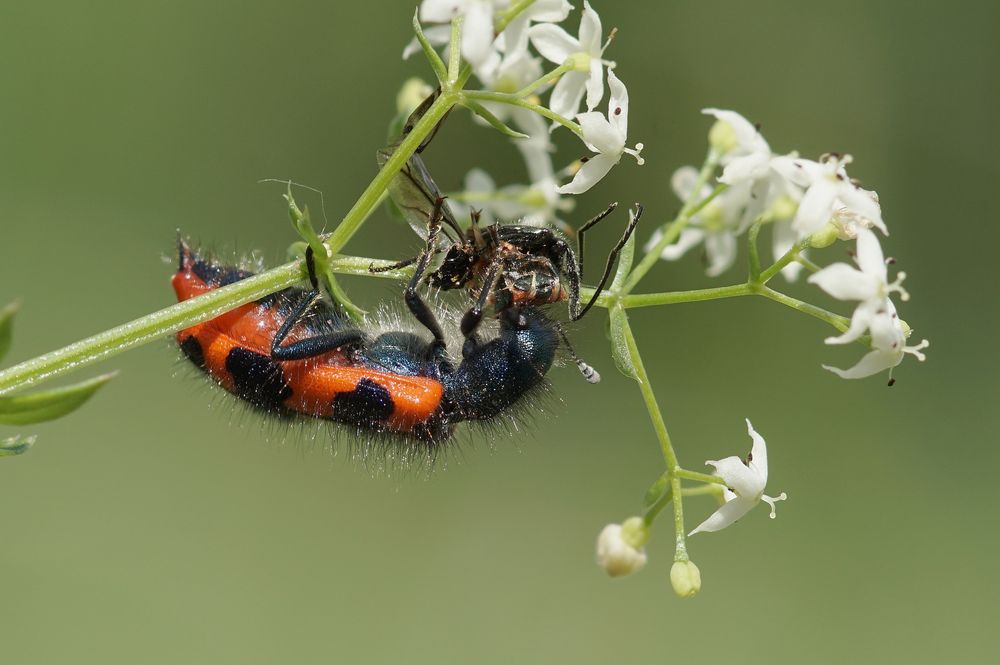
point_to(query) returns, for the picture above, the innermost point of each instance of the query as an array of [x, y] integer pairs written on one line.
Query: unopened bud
[[825, 237], [685, 578], [722, 137], [619, 547], [414, 91]]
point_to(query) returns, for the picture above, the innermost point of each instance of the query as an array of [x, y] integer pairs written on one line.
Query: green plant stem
[[700, 477], [455, 50], [514, 100], [753, 254], [839, 322], [551, 76], [660, 427], [789, 256], [675, 297], [369, 199]]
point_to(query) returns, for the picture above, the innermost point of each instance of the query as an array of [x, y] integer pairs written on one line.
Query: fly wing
[[415, 193]]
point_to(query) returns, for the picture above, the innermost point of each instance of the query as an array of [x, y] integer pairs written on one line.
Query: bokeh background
[[162, 525]]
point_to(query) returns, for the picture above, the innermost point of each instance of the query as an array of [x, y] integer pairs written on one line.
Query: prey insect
[[500, 265]]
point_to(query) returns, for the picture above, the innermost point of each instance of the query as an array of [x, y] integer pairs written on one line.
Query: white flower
[[717, 224], [605, 136], [828, 191], [744, 152], [745, 481], [477, 27], [619, 547], [869, 285], [888, 347], [556, 45]]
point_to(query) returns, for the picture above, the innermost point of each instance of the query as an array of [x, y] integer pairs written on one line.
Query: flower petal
[[553, 43], [477, 33], [567, 93], [845, 282], [595, 84], [870, 257], [872, 363], [861, 320], [725, 515], [758, 453], [748, 137], [746, 167], [688, 238], [862, 202], [738, 476], [618, 104], [590, 174], [442, 11], [815, 208], [590, 30], [599, 134], [683, 181], [548, 11], [721, 250]]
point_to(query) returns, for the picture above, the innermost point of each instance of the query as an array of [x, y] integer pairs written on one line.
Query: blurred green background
[[162, 525]]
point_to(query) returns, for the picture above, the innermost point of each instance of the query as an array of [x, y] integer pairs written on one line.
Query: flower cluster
[[510, 64], [807, 204]]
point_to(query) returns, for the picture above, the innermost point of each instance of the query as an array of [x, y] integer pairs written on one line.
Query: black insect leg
[[474, 316], [608, 267], [393, 266], [581, 232], [314, 346], [413, 300], [589, 373]]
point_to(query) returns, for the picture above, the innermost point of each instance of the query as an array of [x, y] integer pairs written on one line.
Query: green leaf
[[15, 445], [49, 404], [7, 326], [658, 491], [493, 121], [619, 343], [625, 258]]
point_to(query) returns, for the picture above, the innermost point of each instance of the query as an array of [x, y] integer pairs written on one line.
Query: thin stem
[[672, 229], [148, 328], [701, 489], [700, 477], [674, 297], [437, 64], [789, 256], [551, 76], [807, 264], [660, 427], [754, 256], [839, 322], [455, 50], [370, 198], [514, 100]]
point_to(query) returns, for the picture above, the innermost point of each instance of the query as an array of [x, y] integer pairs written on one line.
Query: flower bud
[[722, 137], [685, 578], [825, 237], [414, 91], [619, 547]]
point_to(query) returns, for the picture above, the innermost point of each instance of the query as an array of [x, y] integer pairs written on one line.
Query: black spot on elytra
[[257, 378], [368, 404], [191, 348]]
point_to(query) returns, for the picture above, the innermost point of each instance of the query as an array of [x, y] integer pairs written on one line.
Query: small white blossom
[[744, 152], [477, 26], [869, 285], [558, 46], [606, 136], [717, 224], [828, 192], [745, 485], [617, 552]]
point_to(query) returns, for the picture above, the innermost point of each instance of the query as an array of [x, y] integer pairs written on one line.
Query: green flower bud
[[825, 237], [685, 578], [722, 137], [414, 91], [635, 532]]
